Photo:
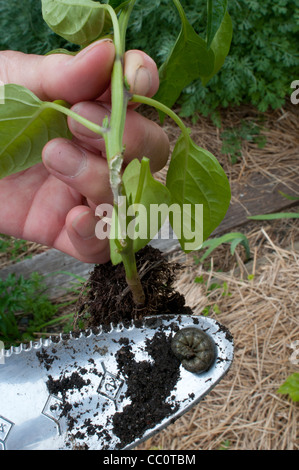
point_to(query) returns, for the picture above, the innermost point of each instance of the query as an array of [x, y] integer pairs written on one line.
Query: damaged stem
[[115, 149]]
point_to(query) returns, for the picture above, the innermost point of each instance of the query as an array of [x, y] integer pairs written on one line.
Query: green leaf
[[147, 198], [61, 51], [234, 238], [118, 3], [77, 21], [288, 196], [216, 12], [291, 387], [220, 46], [279, 215], [195, 177], [26, 125], [189, 60]]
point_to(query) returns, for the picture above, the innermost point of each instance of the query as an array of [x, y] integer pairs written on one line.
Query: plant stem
[[132, 276], [124, 20], [85, 122], [180, 11], [164, 109], [114, 144], [114, 139]]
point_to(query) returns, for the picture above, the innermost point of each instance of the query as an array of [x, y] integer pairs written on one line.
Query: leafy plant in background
[[291, 387], [262, 62], [225, 445], [25, 308], [232, 139], [234, 238], [194, 175], [23, 29], [278, 215], [13, 248]]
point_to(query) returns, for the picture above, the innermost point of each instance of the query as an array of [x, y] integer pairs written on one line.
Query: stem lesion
[[115, 149], [112, 130]]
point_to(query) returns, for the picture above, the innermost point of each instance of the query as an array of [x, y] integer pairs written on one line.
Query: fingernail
[[143, 82], [84, 225], [66, 159], [136, 74]]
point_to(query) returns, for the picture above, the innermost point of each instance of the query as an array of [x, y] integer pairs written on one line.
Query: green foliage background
[[263, 59], [23, 28], [262, 63]]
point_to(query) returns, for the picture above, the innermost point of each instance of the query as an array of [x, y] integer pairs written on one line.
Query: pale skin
[[53, 203]]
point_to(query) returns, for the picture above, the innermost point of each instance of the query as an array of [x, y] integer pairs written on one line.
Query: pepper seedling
[[194, 178]]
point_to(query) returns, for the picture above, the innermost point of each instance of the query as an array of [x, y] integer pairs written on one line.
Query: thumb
[[59, 76]]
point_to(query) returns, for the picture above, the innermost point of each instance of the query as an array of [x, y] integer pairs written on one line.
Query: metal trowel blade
[[64, 393]]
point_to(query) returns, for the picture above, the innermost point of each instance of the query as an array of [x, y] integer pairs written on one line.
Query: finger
[[82, 170], [141, 73], [59, 76], [142, 137], [79, 229]]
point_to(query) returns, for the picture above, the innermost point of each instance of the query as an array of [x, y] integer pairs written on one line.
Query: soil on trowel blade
[[107, 299], [148, 398], [149, 385]]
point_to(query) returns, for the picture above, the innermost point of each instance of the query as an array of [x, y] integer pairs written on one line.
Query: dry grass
[[278, 160], [13, 255], [244, 411], [258, 302]]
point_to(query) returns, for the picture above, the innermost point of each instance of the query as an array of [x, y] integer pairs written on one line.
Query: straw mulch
[[244, 411], [258, 301], [277, 160], [12, 255]]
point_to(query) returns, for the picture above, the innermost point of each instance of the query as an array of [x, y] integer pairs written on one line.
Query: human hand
[[53, 203]]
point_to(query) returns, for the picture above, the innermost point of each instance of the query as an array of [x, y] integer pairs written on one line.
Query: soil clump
[[107, 299]]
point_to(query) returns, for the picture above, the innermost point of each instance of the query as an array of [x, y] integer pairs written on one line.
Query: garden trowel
[[76, 391]]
